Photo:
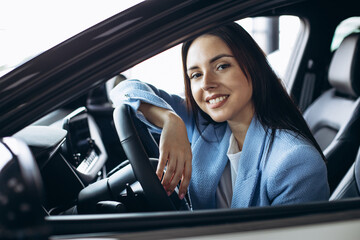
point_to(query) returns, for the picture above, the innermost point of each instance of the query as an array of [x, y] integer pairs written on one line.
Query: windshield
[[28, 28]]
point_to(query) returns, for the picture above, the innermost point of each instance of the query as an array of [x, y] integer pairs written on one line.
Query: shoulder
[[294, 171], [291, 152]]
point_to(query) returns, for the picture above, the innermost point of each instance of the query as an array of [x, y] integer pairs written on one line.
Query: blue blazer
[[291, 171]]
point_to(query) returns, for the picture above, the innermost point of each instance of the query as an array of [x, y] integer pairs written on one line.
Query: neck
[[239, 129]]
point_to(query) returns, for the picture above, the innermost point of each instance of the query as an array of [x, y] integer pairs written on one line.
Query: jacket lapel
[[209, 161], [248, 171]]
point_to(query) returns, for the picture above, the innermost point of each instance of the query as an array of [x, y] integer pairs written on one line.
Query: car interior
[[81, 159], [350, 184], [333, 116]]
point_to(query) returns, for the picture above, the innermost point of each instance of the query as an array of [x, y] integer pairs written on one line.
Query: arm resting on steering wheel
[[133, 92], [175, 150], [158, 109]]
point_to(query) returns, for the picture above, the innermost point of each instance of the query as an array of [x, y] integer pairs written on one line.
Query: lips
[[216, 98], [216, 101]]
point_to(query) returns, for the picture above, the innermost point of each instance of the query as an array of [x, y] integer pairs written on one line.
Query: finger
[[177, 176], [170, 170], [161, 164], [185, 181]]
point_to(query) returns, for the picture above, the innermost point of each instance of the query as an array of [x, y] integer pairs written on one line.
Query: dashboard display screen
[[78, 144]]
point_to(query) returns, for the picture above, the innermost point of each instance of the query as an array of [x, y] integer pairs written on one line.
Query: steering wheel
[[139, 160]]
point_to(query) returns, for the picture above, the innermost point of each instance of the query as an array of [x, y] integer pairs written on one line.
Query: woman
[[238, 140]]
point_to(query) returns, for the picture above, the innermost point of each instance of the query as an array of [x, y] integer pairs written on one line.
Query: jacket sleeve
[[133, 92], [298, 176]]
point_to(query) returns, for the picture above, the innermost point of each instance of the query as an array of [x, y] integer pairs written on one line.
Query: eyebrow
[[212, 60]]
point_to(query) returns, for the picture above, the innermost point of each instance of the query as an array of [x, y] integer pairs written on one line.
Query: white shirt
[[227, 181]]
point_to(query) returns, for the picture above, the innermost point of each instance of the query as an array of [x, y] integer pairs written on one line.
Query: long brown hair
[[273, 106]]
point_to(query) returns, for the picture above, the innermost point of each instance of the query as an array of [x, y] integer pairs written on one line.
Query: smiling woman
[[211, 65], [250, 144], [57, 104]]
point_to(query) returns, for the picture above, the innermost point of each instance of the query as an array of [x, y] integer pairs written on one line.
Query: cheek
[[244, 86], [196, 92], [248, 87]]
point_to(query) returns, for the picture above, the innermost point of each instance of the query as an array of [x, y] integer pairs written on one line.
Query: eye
[[223, 66], [195, 75]]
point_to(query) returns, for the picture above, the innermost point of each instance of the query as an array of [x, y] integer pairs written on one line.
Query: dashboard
[[70, 153]]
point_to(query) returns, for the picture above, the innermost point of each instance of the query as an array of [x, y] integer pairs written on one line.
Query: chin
[[218, 119]]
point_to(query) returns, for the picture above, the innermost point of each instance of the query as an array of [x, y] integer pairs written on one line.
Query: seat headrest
[[344, 71]]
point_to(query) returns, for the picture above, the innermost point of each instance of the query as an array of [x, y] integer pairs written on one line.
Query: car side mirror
[[21, 190]]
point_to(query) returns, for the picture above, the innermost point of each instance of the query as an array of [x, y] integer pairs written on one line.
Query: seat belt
[[307, 91], [308, 87]]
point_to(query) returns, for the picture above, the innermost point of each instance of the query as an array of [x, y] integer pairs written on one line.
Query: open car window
[[277, 36], [58, 104]]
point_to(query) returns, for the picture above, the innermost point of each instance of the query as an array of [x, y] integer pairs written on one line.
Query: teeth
[[216, 100]]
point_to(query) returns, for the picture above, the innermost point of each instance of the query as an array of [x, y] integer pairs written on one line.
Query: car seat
[[350, 184], [333, 118]]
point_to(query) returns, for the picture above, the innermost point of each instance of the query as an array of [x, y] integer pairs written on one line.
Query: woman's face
[[217, 82]]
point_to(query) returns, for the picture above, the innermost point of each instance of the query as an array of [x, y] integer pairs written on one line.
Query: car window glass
[[345, 28], [275, 35]]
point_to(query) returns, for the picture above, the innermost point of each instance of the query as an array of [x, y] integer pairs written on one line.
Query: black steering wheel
[[138, 157]]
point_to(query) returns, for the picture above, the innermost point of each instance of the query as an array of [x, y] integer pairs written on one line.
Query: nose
[[208, 82]]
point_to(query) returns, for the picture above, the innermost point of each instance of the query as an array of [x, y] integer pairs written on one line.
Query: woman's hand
[[175, 154], [175, 149]]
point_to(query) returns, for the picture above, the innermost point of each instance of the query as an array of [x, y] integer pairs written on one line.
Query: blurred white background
[[27, 28]]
